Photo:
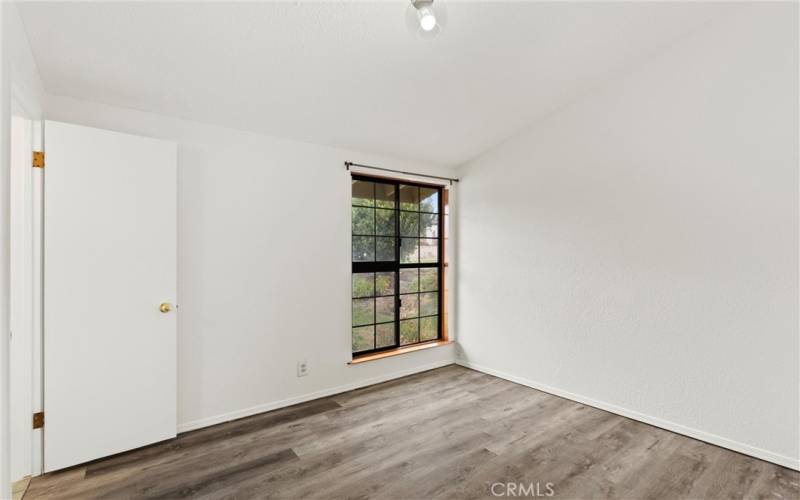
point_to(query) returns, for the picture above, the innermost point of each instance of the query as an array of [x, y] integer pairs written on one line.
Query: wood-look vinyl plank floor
[[448, 433]]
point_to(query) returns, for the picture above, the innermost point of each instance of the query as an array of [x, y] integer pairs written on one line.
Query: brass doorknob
[[165, 307]]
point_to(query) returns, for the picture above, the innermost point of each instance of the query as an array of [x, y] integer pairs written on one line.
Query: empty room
[[400, 249]]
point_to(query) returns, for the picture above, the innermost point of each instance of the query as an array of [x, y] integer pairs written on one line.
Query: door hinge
[[38, 159], [38, 420]]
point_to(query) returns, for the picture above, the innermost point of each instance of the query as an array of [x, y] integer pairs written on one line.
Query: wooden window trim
[[398, 351], [445, 215]]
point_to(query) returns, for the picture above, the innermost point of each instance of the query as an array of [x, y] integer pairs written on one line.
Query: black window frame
[[395, 265]]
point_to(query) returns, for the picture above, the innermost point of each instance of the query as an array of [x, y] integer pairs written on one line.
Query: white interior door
[[109, 263]]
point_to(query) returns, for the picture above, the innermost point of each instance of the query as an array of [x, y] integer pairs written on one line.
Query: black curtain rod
[[349, 164]]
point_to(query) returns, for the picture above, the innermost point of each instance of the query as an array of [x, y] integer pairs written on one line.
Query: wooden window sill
[[398, 351]]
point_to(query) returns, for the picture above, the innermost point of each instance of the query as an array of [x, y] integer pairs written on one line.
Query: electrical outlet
[[302, 368]]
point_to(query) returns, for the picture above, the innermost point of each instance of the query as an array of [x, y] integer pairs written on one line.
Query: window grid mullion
[[397, 242]]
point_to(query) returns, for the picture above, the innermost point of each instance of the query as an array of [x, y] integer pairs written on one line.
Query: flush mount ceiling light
[[424, 20]]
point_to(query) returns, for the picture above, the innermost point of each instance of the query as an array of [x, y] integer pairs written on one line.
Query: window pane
[[428, 328], [428, 250], [386, 250], [363, 338], [384, 309], [363, 249], [428, 200], [428, 303], [363, 193], [363, 312], [363, 220], [409, 331], [409, 198], [409, 280], [363, 285], [384, 195], [409, 250], [384, 335], [429, 225], [409, 306], [409, 224], [428, 279], [384, 283], [385, 220]]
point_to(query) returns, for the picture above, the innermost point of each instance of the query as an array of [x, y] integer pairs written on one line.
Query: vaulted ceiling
[[350, 74]]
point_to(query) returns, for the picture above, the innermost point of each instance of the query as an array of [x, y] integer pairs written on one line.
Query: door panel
[[109, 262]]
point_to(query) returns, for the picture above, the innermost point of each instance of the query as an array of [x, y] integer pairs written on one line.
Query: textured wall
[[639, 249]]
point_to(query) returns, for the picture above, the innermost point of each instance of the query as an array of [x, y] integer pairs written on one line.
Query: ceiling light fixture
[[423, 20], [427, 19]]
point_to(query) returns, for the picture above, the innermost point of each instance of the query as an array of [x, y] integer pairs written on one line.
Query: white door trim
[[24, 105]]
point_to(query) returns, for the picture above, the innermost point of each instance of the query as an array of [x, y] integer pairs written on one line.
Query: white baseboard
[[769, 456], [274, 405]]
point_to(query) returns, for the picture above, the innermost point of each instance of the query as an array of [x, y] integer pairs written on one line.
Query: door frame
[[25, 106]]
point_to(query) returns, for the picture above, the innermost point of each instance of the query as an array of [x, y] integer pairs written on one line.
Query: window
[[397, 251]]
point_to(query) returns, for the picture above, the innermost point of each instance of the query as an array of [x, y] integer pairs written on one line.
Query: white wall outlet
[[302, 368]]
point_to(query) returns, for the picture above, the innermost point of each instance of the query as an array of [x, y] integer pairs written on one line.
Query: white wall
[[19, 82], [263, 265], [638, 250], [5, 282]]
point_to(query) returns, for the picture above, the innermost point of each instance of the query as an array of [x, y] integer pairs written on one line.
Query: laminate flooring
[[450, 433]]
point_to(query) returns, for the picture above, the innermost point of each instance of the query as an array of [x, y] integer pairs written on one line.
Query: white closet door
[[109, 264]]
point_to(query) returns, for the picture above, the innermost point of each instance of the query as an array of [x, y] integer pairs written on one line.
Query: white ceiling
[[350, 74]]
